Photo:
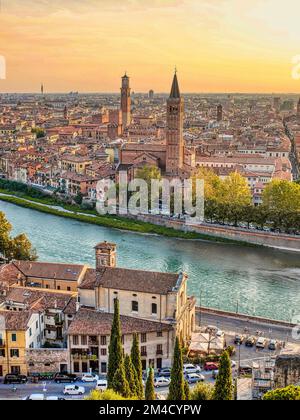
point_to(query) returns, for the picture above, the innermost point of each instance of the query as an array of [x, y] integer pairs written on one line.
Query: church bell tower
[[174, 132], [126, 101]]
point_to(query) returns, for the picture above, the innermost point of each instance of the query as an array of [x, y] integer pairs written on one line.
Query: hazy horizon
[[86, 45]]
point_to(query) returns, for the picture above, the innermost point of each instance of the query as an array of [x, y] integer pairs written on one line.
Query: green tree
[[149, 391], [130, 375], [120, 384], [115, 358], [21, 249], [224, 386], [176, 389], [148, 173], [187, 391], [282, 394], [137, 364], [236, 191], [5, 229], [202, 392], [282, 196], [18, 248]]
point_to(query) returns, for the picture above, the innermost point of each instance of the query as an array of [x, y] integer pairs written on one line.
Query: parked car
[[165, 372], [15, 379], [273, 345], [189, 368], [64, 378], [233, 364], [220, 333], [194, 378], [250, 341], [161, 382], [74, 390], [239, 339], [261, 343], [53, 398], [101, 385], [209, 366], [89, 377]]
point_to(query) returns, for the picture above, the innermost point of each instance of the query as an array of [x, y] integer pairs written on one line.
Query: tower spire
[[175, 92]]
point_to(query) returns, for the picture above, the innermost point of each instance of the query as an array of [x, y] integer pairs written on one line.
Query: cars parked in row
[[42, 397]]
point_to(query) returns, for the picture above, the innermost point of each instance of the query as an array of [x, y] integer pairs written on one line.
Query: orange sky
[[86, 45]]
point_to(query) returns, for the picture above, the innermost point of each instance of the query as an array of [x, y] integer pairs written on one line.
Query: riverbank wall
[[243, 317], [267, 239]]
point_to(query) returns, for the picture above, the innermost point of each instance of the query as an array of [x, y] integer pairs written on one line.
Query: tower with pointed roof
[[298, 109], [126, 101], [174, 130]]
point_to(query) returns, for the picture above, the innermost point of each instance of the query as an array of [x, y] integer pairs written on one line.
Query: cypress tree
[[115, 358], [224, 385], [137, 364], [176, 390], [150, 392], [130, 376], [120, 383], [187, 391]]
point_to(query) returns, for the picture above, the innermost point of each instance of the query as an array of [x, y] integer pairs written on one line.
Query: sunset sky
[[86, 45]]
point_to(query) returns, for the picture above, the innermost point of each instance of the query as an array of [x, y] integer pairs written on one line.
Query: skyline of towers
[[126, 101], [174, 130]]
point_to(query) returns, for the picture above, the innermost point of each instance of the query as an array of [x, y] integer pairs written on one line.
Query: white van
[[74, 390], [101, 385]]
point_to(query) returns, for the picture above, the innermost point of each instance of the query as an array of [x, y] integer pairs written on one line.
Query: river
[[256, 281]]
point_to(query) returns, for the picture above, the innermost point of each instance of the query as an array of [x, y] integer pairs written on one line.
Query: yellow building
[[18, 331]]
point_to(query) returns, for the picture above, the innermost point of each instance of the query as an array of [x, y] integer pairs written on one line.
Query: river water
[[262, 282]]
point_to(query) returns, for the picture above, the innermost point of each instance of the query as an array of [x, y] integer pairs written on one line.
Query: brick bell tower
[[126, 101], [174, 131], [106, 255], [298, 109]]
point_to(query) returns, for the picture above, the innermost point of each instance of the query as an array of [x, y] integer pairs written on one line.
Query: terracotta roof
[[14, 321], [9, 274], [126, 279], [44, 270], [91, 322], [106, 245]]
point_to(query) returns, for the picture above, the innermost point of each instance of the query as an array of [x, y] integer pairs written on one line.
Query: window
[[159, 349], [134, 306], [103, 340], [58, 287], [103, 352], [14, 337], [76, 367], [37, 324], [14, 353], [75, 340], [84, 367], [154, 309], [68, 289], [159, 334], [144, 338], [143, 351], [83, 340], [30, 332], [2, 353], [103, 367]]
